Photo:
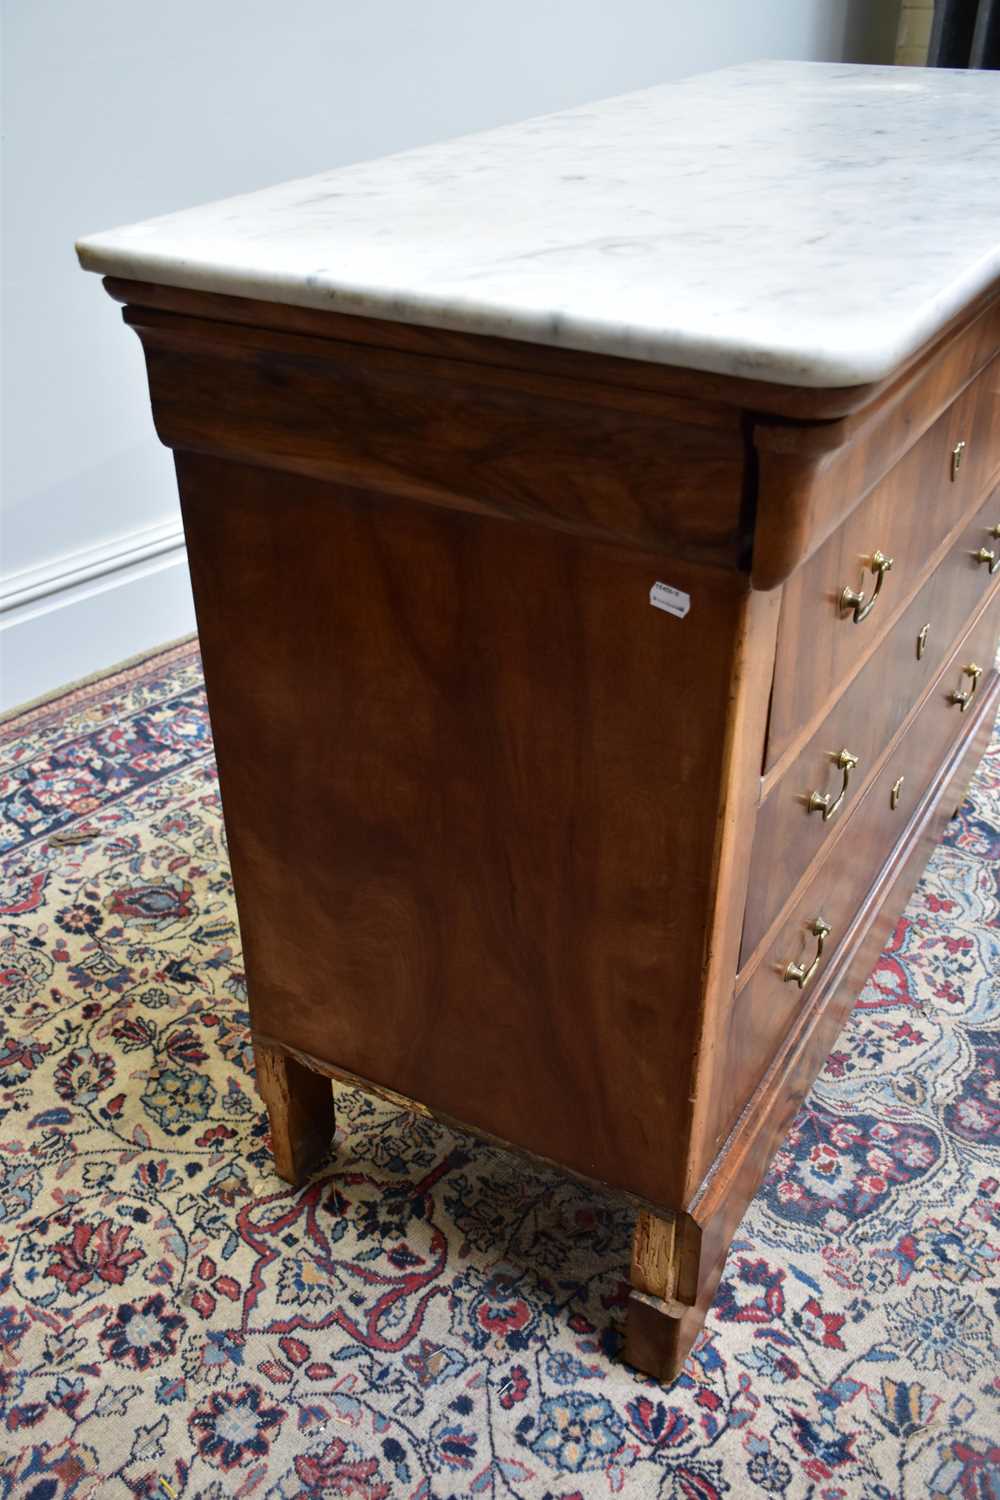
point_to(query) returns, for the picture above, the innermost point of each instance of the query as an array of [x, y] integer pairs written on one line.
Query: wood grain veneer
[[619, 464], [466, 838]]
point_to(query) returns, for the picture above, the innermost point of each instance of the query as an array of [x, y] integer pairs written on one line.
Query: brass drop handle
[[964, 698], [990, 556], [801, 974], [822, 802], [855, 600]]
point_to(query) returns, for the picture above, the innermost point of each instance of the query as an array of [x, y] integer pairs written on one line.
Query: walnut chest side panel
[[471, 775], [470, 778]]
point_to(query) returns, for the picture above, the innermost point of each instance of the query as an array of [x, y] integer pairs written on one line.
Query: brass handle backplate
[[990, 556], [964, 697], [823, 802], [801, 974], [854, 599]]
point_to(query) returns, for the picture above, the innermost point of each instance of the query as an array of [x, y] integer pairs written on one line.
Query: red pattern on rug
[[429, 1317]]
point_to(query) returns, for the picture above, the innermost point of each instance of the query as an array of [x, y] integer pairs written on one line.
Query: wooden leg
[[300, 1109], [662, 1323], [659, 1335]]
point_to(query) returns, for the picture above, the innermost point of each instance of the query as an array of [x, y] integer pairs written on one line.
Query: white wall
[[115, 110]]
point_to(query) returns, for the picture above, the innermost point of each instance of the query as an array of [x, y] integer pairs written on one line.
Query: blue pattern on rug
[[430, 1317]]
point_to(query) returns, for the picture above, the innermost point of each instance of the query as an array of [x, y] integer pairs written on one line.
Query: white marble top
[[803, 223]]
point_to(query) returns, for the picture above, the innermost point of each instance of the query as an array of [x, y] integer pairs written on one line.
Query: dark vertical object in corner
[[966, 34]]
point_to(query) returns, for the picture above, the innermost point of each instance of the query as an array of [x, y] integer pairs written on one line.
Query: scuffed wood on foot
[[653, 1245], [662, 1323], [665, 1255], [300, 1110]]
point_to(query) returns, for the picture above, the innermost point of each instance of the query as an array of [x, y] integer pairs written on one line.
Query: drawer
[[789, 831], [907, 517], [767, 1004]]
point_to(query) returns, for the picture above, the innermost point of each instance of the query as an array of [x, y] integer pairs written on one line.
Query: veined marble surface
[[803, 223]]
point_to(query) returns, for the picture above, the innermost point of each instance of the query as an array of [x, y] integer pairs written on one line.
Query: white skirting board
[[81, 613]]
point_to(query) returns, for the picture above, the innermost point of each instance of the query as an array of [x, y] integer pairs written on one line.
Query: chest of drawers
[[584, 719]]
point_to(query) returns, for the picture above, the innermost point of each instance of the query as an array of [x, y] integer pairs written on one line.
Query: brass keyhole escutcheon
[[855, 599], [922, 641], [956, 459], [895, 793]]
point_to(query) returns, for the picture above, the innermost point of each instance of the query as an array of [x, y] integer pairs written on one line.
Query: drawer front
[[767, 1004], [792, 824], [907, 517]]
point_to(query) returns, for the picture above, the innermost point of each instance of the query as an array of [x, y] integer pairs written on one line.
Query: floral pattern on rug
[[429, 1317]]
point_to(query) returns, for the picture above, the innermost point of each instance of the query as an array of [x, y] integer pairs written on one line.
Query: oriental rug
[[429, 1317]]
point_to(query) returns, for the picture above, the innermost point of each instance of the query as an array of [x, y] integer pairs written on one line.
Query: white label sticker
[[662, 596]]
